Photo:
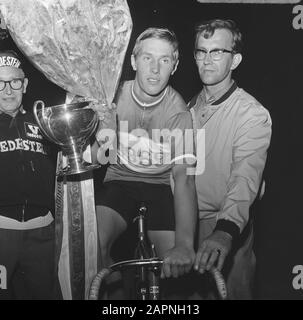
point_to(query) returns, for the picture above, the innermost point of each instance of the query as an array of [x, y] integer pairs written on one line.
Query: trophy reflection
[[69, 126]]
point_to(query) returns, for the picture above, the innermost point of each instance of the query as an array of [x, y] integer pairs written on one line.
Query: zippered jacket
[[27, 172]]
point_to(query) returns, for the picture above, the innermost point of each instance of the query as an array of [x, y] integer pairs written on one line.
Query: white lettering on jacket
[[20, 144]]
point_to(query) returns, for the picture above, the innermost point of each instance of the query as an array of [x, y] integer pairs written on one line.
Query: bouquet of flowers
[[78, 44]]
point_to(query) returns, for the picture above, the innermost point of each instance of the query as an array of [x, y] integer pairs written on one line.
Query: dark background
[[272, 71]]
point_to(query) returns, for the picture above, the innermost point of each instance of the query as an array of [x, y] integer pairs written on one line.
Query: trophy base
[[85, 167]]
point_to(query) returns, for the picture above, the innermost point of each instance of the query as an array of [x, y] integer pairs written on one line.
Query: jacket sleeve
[[251, 141]]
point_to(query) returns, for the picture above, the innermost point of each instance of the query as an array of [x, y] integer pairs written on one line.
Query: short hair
[[207, 29], [158, 33]]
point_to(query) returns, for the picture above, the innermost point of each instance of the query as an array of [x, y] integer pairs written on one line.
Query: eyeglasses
[[15, 84], [215, 54]]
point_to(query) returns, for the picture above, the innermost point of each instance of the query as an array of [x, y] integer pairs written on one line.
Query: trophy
[[69, 126], [80, 46]]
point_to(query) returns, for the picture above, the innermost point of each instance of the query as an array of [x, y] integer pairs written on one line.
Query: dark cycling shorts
[[125, 196]]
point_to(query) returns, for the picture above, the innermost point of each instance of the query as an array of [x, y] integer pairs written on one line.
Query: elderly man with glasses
[[27, 177], [237, 136]]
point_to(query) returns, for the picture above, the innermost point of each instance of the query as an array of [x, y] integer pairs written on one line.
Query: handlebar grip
[[220, 282], [96, 283]]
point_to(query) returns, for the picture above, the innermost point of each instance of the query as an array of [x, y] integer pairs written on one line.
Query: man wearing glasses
[[237, 136], [27, 177]]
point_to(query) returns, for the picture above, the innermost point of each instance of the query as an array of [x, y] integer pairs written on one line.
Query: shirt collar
[[220, 96]]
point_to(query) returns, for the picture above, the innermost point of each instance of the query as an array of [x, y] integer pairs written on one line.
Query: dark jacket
[[27, 173]]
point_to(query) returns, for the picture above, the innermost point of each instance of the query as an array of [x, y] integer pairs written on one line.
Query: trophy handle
[[35, 110], [37, 118]]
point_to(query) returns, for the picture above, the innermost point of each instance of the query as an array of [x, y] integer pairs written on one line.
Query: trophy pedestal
[[76, 235], [85, 166]]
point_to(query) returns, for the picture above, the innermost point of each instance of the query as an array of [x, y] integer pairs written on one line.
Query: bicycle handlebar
[[98, 279]]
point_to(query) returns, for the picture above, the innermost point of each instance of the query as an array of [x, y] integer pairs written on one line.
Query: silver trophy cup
[[69, 126]]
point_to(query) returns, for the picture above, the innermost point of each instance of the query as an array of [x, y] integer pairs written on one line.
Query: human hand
[[213, 249], [106, 132], [101, 108], [177, 261]]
